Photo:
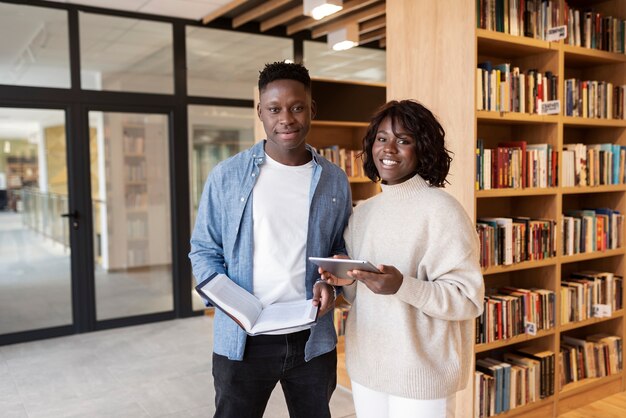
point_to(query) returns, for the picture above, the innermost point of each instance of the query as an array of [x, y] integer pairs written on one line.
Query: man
[[262, 213]]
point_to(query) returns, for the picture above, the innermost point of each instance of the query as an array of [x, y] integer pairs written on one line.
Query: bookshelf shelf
[[594, 189], [359, 180], [481, 348], [591, 256], [331, 124], [585, 57], [540, 408], [583, 385], [525, 265], [514, 117], [579, 324], [508, 45], [589, 122], [512, 192]]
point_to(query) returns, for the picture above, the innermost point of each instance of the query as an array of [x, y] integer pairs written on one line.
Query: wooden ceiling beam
[[372, 36], [348, 7], [222, 10], [373, 24], [258, 11], [362, 16], [282, 18]]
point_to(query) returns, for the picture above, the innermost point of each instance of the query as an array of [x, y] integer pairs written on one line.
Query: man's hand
[[324, 297]]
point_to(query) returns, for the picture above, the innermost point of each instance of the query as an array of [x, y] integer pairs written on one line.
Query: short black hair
[[281, 70], [433, 159]]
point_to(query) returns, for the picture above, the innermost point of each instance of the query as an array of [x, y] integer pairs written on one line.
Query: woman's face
[[394, 156]]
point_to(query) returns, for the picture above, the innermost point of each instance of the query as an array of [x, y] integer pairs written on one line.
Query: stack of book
[[589, 230], [598, 355], [505, 241], [590, 294], [512, 311]]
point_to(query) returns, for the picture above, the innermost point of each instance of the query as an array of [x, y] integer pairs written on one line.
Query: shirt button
[[242, 199], [253, 174], [334, 200]]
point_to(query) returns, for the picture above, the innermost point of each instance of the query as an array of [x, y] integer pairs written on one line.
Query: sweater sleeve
[[449, 284]]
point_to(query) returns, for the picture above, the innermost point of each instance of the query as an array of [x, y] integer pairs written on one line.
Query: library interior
[[113, 114]]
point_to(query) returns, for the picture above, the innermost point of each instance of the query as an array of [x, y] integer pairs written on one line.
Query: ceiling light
[[319, 9], [344, 38]]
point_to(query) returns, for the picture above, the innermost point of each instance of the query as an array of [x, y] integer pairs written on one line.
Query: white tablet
[[339, 267]]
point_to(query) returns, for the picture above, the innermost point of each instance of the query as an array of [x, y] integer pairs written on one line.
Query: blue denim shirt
[[222, 238]]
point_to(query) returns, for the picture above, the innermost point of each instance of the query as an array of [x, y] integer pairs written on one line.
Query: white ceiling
[[187, 9]]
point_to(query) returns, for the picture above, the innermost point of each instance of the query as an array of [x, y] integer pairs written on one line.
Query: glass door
[[35, 270], [130, 193]]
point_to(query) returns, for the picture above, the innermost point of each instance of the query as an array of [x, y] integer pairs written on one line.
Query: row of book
[[512, 311], [531, 18], [597, 355], [593, 164], [594, 99], [515, 164], [502, 88], [348, 160], [591, 29], [589, 230], [522, 376], [534, 18], [590, 294], [505, 241]]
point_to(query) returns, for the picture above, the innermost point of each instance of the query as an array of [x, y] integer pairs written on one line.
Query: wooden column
[[431, 56]]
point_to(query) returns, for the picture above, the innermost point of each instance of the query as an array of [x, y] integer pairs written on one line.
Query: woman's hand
[[385, 283]]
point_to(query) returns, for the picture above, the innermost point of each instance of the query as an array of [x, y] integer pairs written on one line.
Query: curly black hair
[[433, 159], [284, 71]]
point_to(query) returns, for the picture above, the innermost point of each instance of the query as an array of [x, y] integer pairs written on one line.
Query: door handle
[[73, 216]]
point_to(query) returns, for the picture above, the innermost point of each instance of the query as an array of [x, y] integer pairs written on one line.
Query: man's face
[[285, 108]]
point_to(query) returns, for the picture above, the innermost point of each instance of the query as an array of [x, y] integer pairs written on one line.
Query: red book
[[521, 145]]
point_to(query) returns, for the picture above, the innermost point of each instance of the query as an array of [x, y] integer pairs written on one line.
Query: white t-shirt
[[280, 210]]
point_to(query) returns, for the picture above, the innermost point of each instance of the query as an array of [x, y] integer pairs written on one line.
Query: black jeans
[[243, 388]]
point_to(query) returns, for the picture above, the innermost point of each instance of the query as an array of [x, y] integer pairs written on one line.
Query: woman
[[409, 331]]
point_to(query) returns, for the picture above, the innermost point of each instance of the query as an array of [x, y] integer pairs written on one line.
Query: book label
[[531, 328], [552, 107], [556, 33], [601, 310]]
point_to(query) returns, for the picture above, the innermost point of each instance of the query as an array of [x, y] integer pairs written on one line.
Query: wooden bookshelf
[[439, 71], [493, 127]]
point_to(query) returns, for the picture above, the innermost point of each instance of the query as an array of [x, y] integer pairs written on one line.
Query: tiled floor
[[155, 370]]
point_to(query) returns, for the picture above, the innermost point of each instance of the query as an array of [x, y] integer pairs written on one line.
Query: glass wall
[[226, 64], [215, 133], [34, 46], [35, 278], [130, 184], [123, 54], [355, 64]]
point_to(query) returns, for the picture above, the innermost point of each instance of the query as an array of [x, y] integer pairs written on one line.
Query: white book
[[248, 311]]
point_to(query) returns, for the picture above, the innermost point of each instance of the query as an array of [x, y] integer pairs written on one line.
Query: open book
[[247, 311]]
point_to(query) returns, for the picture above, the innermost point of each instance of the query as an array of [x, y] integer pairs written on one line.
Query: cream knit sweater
[[417, 343]]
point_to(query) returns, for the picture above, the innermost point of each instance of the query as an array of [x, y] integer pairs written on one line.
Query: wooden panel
[[427, 42]]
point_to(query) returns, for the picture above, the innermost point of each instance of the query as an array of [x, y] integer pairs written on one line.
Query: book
[[248, 311]]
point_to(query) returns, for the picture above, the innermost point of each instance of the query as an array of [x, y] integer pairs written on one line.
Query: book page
[[234, 300], [285, 315]]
